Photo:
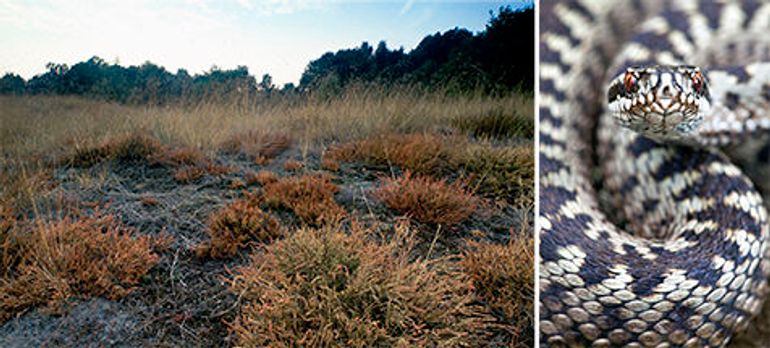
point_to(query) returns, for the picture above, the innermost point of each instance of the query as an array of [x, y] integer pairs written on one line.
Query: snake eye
[[697, 81], [629, 82]]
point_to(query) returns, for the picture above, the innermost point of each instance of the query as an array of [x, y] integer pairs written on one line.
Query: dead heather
[[310, 197], [323, 288], [74, 257], [231, 227], [428, 200]]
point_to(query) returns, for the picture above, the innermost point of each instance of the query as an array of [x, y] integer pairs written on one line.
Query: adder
[[653, 116]]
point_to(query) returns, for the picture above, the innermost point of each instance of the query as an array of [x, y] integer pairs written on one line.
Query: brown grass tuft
[[235, 224], [292, 165], [428, 200], [504, 279], [262, 177], [92, 256], [310, 196], [257, 144], [127, 147], [420, 153], [327, 288]]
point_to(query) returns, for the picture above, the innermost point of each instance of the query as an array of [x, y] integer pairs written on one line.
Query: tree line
[[496, 60]]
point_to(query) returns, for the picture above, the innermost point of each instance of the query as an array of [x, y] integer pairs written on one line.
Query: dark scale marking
[[712, 11], [656, 42], [552, 198], [546, 139], [731, 100], [766, 92], [763, 155], [546, 115], [749, 7], [550, 56], [548, 85], [642, 145], [680, 22], [739, 72], [549, 165]]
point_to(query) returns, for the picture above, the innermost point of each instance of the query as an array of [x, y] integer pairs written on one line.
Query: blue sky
[[278, 37]]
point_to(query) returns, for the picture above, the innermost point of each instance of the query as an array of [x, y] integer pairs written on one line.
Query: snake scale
[[648, 237]]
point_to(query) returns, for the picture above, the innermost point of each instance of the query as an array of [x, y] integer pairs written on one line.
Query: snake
[[652, 157]]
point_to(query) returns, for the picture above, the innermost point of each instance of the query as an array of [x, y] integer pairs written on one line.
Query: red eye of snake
[[629, 81], [697, 81]]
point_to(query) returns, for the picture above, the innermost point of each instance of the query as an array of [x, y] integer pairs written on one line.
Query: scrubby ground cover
[[373, 219]]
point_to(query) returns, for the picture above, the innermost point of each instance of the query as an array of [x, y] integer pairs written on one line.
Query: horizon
[[197, 35]]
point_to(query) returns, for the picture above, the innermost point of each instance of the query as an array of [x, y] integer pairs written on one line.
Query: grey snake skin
[[653, 240]]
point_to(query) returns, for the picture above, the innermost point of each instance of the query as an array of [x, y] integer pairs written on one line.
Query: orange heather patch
[[87, 257], [428, 200], [310, 197], [234, 225]]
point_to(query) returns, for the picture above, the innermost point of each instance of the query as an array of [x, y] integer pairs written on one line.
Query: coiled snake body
[[652, 240]]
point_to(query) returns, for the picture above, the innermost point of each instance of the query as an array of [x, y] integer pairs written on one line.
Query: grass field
[[377, 218]]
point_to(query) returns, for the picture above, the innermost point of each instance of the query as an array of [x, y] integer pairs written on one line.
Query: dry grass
[[234, 225], [327, 288], [310, 197], [259, 146], [428, 200], [504, 279], [499, 172], [86, 257]]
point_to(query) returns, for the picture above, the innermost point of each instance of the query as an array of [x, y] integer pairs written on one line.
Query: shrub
[[257, 144], [127, 147], [504, 279], [428, 200], [420, 153], [235, 224], [292, 165], [263, 177], [327, 288], [310, 197], [92, 256]]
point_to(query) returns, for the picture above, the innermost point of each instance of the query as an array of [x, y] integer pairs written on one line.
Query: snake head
[[661, 102]]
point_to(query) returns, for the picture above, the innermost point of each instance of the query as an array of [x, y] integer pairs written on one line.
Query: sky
[[279, 37]]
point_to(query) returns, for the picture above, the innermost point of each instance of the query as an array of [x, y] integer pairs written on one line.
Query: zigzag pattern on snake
[[644, 243]]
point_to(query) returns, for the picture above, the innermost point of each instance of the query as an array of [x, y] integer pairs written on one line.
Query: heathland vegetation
[[384, 201]]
